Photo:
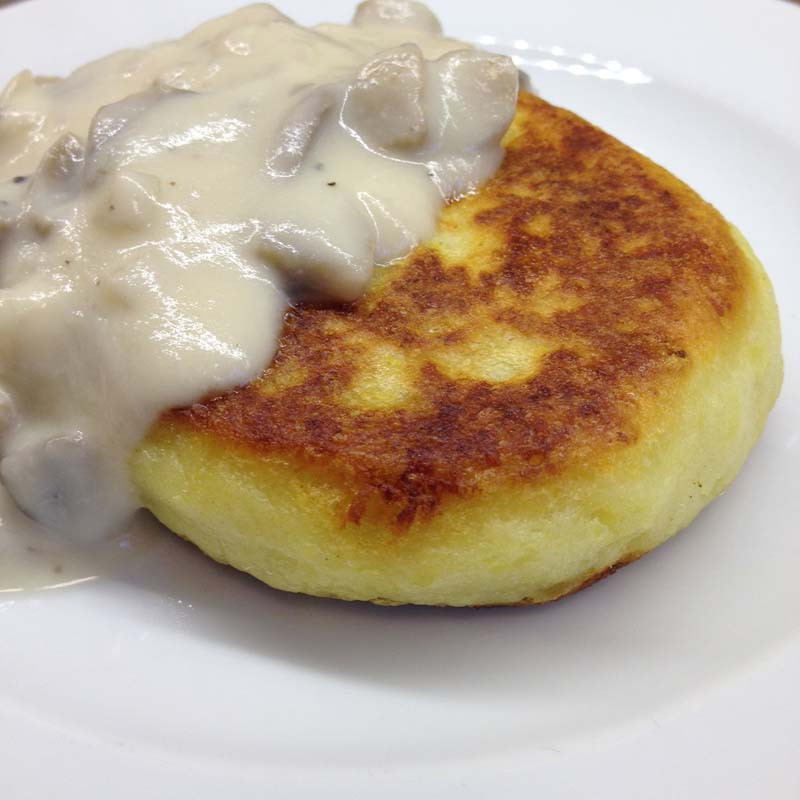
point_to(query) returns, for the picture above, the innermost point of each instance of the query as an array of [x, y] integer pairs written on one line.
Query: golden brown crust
[[557, 592], [586, 582], [621, 271]]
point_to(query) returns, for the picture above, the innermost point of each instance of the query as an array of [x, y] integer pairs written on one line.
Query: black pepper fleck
[[111, 207], [20, 178], [331, 183]]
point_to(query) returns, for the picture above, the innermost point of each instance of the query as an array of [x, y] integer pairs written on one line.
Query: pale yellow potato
[[578, 363]]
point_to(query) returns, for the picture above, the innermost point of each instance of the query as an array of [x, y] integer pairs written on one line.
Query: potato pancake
[[556, 383]]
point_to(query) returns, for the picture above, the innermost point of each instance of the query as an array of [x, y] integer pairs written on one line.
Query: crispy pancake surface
[[557, 382]]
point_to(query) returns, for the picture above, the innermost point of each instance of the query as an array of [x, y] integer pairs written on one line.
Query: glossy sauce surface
[[161, 208]]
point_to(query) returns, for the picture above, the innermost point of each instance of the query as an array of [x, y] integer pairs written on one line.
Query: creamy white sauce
[[160, 208], [31, 557]]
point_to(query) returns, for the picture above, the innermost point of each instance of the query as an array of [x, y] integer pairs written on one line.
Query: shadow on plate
[[703, 604]]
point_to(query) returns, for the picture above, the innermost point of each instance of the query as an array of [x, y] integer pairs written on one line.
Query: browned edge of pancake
[[645, 277], [558, 592]]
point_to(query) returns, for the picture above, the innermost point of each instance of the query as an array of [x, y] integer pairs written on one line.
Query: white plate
[[675, 678]]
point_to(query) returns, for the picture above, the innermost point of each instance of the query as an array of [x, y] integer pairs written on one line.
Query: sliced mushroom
[[57, 178], [384, 103], [60, 482], [111, 120], [399, 13], [477, 98], [296, 132], [325, 249]]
